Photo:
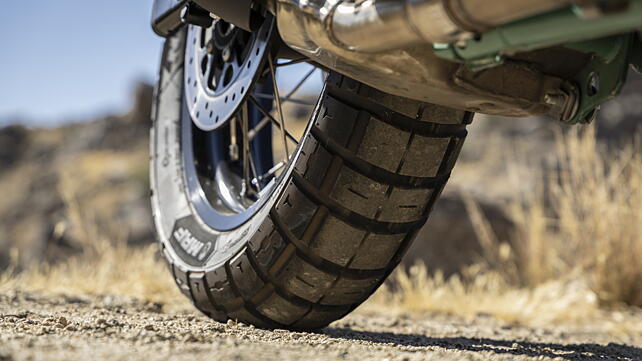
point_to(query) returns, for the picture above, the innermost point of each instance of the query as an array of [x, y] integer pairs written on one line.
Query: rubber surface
[[362, 183]]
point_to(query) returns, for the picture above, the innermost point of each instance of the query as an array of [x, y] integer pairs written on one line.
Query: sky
[[69, 59], [74, 60]]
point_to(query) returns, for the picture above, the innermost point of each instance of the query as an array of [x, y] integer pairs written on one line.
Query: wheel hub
[[222, 63]]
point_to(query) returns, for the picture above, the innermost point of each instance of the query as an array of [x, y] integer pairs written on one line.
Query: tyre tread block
[[363, 183]]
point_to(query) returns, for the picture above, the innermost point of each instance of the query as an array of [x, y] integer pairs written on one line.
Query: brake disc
[[222, 64]]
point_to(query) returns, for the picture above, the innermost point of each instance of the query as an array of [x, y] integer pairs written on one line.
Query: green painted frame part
[[541, 31], [603, 77], [600, 80]]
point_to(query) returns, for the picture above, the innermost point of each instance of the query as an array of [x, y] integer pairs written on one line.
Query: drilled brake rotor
[[222, 63]]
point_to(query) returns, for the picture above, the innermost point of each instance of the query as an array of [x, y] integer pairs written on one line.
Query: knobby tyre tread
[[369, 171]]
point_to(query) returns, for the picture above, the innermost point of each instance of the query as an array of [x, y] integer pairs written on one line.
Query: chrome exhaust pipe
[[380, 25], [374, 26], [387, 45]]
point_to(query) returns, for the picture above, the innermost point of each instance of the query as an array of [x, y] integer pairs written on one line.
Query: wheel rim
[[234, 147]]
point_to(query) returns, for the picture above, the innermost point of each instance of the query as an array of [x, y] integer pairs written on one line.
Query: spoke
[[257, 181], [291, 100], [246, 136], [292, 62], [301, 82], [269, 116], [248, 160], [263, 96], [233, 147], [278, 107], [246, 147], [254, 131], [299, 101]]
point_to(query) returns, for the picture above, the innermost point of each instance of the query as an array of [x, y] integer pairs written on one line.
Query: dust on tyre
[[337, 215]]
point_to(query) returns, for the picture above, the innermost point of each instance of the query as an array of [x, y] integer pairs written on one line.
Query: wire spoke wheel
[[241, 128]]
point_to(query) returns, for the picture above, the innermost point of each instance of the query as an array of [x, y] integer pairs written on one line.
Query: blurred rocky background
[[93, 170], [62, 185]]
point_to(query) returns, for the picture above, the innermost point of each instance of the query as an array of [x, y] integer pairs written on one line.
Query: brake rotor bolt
[[226, 55], [210, 48]]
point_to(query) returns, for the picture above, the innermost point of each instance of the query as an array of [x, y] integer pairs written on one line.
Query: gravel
[[38, 327]]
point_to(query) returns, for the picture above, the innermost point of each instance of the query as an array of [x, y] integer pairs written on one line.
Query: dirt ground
[[37, 327]]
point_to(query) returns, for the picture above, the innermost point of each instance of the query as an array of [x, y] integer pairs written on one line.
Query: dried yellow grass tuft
[[578, 248], [483, 292], [106, 264], [586, 220], [115, 269]]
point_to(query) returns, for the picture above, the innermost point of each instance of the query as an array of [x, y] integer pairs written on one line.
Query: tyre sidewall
[[187, 241]]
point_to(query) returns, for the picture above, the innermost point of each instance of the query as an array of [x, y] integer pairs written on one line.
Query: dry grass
[[106, 264], [111, 270], [587, 222], [482, 292], [577, 249]]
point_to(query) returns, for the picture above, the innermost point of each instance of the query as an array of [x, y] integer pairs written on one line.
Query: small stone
[[216, 329], [189, 337], [149, 327], [22, 314], [70, 328], [63, 321], [231, 323]]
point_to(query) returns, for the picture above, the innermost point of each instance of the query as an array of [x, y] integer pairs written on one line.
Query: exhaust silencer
[[387, 45], [379, 25]]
